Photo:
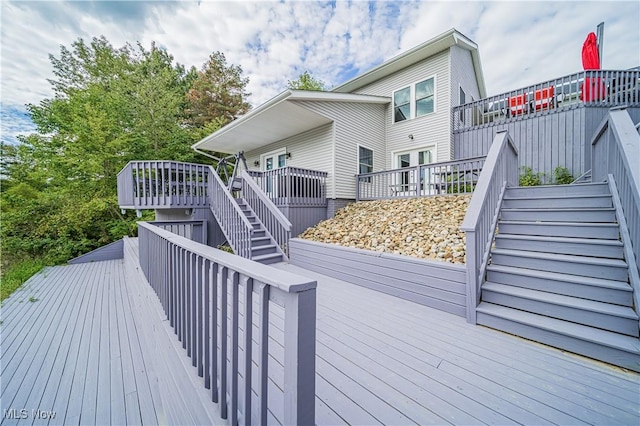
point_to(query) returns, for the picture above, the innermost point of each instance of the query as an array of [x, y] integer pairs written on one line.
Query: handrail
[[200, 289], [162, 184], [627, 244], [499, 172], [445, 177], [615, 149], [234, 224], [274, 221], [601, 88]]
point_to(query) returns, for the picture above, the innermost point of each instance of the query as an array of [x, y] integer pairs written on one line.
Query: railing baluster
[[248, 347], [263, 344], [223, 341], [234, 347]]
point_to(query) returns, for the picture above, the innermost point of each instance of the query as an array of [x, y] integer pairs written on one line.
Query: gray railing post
[[300, 358], [357, 188]]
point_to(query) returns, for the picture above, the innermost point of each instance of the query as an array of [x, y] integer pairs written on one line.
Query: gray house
[[290, 331], [397, 115]]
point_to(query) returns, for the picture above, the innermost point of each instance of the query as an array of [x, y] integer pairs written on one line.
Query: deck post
[[300, 358]]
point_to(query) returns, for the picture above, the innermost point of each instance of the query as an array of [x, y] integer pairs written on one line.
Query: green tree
[[109, 106], [217, 93], [306, 82]]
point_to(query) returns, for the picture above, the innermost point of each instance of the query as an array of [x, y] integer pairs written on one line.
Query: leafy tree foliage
[[110, 105], [217, 94], [306, 82]]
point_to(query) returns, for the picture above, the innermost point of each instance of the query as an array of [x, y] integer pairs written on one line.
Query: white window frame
[[412, 100], [373, 160], [395, 155], [276, 153]]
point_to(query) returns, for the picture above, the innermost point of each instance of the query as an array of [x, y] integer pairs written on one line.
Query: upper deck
[[95, 347]]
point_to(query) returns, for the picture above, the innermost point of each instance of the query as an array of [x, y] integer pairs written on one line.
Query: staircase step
[[260, 241], [603, 214], [558, 190], [264, 249], [617, 292], [603, 345], [268, 258], [259, 233], [596, 267], [557, 201], [578, 246], [620, 319], [609, 231]]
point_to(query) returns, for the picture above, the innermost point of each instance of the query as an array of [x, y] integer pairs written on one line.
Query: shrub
[[529, 178], [561, 176]]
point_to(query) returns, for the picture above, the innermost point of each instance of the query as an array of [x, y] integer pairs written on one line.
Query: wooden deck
[[95, 348]]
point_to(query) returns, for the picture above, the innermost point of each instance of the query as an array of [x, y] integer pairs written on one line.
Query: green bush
[[529, 178], [17, 274], [561, 176]]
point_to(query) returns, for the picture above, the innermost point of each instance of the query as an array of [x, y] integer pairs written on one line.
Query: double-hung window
[[414, 101]]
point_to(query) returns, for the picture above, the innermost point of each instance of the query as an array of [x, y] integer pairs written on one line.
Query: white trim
[[275, 154], [373, 159], [433, 147], [412, 100]]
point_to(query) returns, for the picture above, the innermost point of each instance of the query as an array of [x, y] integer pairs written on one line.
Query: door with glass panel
[[271, 162], [408, 182]]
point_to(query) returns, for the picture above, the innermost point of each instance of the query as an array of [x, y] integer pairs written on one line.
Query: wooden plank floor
[[84, 344], [385, 360], [95, 348]]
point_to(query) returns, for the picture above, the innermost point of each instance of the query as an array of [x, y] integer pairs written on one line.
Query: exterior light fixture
[[411, 136], [256, 163], [287, 155]]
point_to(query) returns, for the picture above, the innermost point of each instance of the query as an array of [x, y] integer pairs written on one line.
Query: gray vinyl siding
[[462, 76], [309, 150], [354, 124], [431, 129]]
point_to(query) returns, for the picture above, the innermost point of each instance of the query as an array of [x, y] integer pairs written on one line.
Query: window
[[365, 160], [402, 104], [424, 97], [414, 101]]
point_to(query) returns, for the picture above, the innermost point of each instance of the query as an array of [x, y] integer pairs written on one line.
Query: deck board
[[97, 348]]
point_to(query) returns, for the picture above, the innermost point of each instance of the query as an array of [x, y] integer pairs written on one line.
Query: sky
[[520, 42]]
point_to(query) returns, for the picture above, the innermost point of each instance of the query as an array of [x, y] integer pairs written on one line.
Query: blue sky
[[520, 42]]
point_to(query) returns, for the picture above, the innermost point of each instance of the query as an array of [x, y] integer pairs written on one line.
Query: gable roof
[[423, 51], [277, 119]]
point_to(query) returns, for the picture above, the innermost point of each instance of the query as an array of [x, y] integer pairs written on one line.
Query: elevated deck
[[95, 348]]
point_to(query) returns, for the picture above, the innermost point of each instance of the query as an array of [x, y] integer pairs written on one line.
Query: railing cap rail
[[316, 172], [276, 211], [283, 280], [440, 164], [471, 218], [559, 81], [135, 162]]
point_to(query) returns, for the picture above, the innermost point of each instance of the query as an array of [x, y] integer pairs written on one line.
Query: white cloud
[[521, 43]]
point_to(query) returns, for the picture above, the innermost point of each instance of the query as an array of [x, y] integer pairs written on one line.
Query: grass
[[17, 274]]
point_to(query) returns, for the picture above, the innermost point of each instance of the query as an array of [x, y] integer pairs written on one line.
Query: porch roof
[[278, 118]]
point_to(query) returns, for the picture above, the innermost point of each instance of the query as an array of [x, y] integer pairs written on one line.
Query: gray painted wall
[[544, 141], [302, 218], [439, 285], [432, 129], [215, 237], [112, 251]]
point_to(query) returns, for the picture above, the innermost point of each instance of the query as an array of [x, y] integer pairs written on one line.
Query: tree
[[217, 93], [306, 82], [110, 106]]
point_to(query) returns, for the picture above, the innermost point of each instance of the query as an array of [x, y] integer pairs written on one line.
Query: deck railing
[[447, 177], [162, 184], [234, 224], [195, 230], [215, 302], [293, 186], [500, 171], [271, 217], [616, 154], [599, 88]]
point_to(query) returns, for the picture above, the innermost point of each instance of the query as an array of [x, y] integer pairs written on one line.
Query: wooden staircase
[[263, 247], [558, 274]]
